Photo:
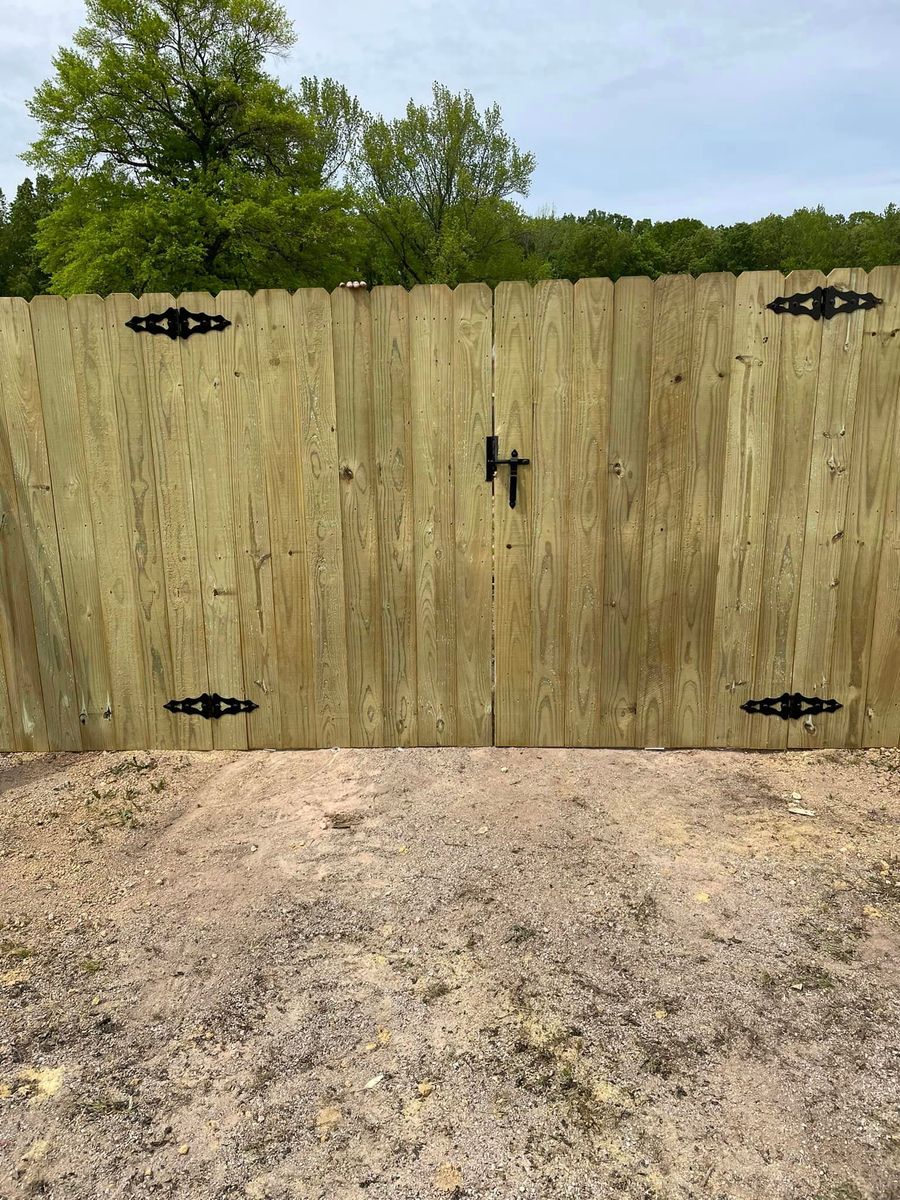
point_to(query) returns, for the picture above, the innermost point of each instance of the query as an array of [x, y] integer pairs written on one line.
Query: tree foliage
[[434, 187], [172, 159]]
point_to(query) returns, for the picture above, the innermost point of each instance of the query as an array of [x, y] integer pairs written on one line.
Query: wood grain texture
[[19, 623], [352, 341], [671, 383], [785, 509], [866, 622], [322, 506], [110, 507], [588, 471], [395, 494], [820, 666], [145, 551], [431, 353], [748, 457], [472, 379], [70, 485], [551, 484], [211, 467], [250, 514], [627, 460], [177, 522], [514, 427], [695, 588], [280, 358]]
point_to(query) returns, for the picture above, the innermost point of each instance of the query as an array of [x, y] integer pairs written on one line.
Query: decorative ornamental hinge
[[823, 303], [210, 707], [178, 323], [791, 706]]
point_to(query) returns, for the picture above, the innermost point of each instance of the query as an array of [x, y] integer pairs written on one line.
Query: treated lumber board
[[178, 527], [395, 495], [92, 327], [145, 553], [752, 390], [431, 353], [72, 505], [551, 485], [514, 427], [867, 624], [18, 622], [7, 729], [693, 611], [785, 510], [820, 665], [627, 459], [471, 374], [211, 466], [592, 342], [280, 352], [241, 383], [671, 382], [352, 342], [322, 513]]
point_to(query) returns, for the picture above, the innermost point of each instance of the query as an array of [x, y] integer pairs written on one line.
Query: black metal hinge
[[178, 323], [513, 462], [791, 706], [210, 707], [823, 303]]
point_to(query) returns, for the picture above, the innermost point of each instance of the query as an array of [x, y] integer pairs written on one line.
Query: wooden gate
[[291, 511]]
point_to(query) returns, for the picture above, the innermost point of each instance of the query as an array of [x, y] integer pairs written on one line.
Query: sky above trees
[[722, 111]]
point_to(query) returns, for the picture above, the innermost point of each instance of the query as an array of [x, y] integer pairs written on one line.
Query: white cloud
[[724, 109]]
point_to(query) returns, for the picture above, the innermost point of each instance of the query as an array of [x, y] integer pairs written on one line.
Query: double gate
[[288, 520]]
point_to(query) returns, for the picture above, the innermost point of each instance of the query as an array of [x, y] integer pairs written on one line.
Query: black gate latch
[[513, 462]]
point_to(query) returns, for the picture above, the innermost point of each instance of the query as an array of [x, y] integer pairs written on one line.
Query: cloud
[[723, 110]]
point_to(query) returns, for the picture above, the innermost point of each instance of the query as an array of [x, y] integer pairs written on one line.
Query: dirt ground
[[422, 973]]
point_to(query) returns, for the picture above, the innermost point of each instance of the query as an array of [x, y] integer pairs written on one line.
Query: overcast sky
[[720, 109]]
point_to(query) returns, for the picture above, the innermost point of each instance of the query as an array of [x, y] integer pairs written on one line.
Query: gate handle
[[513, 462]]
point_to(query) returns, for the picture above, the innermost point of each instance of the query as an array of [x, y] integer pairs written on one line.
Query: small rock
[[183, 1148]]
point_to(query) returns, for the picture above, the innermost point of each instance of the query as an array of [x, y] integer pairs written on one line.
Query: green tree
[[435, 188], [181, 162], [21, 273]]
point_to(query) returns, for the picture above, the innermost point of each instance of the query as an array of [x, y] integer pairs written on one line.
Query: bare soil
[[422, 973]]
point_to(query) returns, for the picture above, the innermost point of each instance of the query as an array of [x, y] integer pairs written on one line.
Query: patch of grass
[[884, 878], [91, 966], [132, 765], [159, 785], [519, 934], [101, 1106], [15, 950]]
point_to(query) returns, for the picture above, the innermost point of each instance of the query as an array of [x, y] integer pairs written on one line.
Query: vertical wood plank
[[866, 625], [588, 472], [552, 484], [178, 528], [322, 507], [20, 627], [748, 455], [629, 404], [280, 346], [472, 386], [253, 548], [7, 729], [513, 425], [72, 504], [785, 509], [394, 475], [145, 551], [211, 466], [352, 340], [431, 350], [820, 665], [106, 489], [671, 382], [693, 613]]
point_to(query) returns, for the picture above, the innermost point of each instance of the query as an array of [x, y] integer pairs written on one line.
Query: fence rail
[[292, 509]]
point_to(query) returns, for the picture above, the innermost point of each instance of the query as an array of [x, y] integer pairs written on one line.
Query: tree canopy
[[171, 158]]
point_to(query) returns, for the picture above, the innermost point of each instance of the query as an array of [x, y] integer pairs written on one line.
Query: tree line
[[169, 158]]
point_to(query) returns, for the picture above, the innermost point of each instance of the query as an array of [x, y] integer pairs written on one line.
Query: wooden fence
[[293, 511]]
